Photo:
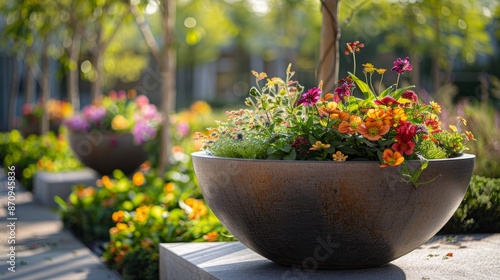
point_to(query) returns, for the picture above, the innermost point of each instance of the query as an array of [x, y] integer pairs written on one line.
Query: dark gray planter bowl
[[105, 152], [329, 214]]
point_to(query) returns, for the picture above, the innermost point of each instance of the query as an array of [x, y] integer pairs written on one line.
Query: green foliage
[[141, 264], [49, 152], [133, 215], [479, 212]]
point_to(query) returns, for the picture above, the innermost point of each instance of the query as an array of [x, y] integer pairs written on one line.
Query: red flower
[[405, 133], [387, 101], [410, 95], [353, 47]]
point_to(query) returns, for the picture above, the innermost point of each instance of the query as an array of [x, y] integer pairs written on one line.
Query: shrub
[[49, 152], [479, 212]]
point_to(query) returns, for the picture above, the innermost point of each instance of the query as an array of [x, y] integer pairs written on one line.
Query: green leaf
[[291, 156], [254, 92], [387, 91], [363, 87], [62, 204]]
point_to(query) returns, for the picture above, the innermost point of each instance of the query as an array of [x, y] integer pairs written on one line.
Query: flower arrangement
[[391, 126], [119, 112], [58, 111]]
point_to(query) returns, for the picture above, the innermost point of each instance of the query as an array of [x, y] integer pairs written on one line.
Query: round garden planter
[[105, 152], [331, 215]]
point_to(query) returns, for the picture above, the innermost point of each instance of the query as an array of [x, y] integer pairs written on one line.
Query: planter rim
[[203, 154]]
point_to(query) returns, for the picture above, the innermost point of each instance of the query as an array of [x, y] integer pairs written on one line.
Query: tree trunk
[[73, 75], [436, 81], [167, 68], [328, 68], [13, 92], [29, 77], [96, 86], [45, 85]]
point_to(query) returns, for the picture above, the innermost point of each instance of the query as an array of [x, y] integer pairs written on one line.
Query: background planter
[[105, 152], [330, 214]]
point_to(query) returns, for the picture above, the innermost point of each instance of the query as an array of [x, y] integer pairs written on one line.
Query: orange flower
[[378, 114], [469, 135], [398, 115], [197, 208], [391, 158], [118, 216], [141, 214], [462, 120], [107, 182], [351, 126], [138, 179], [169, 187], [373, 130], [211, 236], [339, 156]]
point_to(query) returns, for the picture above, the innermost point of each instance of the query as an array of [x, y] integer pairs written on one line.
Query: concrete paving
[[43, 248], [469, 257]]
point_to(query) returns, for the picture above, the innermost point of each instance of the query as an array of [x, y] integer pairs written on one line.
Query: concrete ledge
[[47, 185], [473, 257]]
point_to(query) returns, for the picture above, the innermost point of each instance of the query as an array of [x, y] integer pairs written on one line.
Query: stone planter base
[[47, 185]]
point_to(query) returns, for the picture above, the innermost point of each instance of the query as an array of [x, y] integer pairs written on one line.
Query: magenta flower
[[93, 113], [143, 132], [400, 66], [78, 123], [310, 97], [344, 89]]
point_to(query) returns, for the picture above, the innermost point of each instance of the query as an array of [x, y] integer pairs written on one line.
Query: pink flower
[[400, 66], [141, 101], [310, 97]]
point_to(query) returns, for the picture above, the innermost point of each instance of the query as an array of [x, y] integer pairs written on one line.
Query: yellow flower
[[381, 70], [121, 226], [339, 156], [453, 128], [119, 122], [319, 146], [369, 68], [436, 107], [201, 107]]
